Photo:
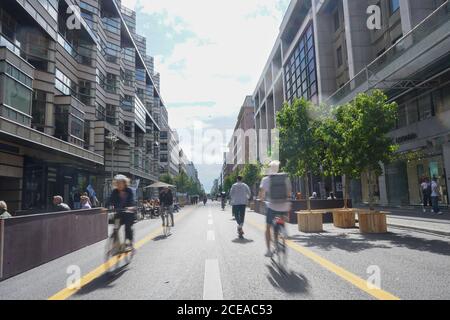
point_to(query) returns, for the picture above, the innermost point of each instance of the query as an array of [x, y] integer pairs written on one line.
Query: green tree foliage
[[356, 138], [299, 147], [166, 178], [251, 175], [230, 180]]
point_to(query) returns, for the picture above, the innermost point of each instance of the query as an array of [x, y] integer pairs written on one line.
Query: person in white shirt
[[240, 194], [275, 190], [435, 196]]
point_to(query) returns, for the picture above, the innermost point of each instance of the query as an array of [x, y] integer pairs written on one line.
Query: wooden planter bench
[[372, 221], [310, 221], [344, 218]]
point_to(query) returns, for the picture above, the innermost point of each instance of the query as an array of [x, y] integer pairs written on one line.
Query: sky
[[210, 54]]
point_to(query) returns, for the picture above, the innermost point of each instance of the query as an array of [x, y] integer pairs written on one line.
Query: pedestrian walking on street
[[435, 196], [166, 200], [425, 188], [240, 194], [4, 214]]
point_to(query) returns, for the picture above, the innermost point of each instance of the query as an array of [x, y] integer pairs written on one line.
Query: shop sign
[[406, 138]]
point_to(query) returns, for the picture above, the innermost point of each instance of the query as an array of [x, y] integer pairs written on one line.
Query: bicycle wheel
[[279, 256], [111, 251], [282, 253]]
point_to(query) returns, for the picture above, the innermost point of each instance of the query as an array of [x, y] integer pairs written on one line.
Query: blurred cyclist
[[123, 200], [275, 190]]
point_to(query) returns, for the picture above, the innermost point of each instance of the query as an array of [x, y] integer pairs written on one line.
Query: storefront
[[43, 180], [400, 183]]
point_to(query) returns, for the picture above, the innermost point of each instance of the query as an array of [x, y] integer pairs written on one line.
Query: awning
[[160, 184]]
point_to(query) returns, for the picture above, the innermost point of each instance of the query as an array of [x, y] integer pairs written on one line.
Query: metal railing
[[430, 24]]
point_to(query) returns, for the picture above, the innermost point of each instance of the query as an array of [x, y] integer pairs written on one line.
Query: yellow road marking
[[339, 271], [100, 270]]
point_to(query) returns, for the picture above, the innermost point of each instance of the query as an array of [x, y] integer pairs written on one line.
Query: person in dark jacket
[[166, 201], [123, 200]]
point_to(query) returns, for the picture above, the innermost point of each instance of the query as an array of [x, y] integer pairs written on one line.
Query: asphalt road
[[203, 259]]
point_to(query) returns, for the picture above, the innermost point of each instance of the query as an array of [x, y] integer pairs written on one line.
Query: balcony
[[426, 43]]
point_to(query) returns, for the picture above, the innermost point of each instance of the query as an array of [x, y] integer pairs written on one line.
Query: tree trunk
[[369, 180], [345, 190], [308, 200]]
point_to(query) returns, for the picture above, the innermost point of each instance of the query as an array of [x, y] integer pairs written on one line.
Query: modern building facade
[[241, 148], [327, 51], [78, 102], [170, 152]]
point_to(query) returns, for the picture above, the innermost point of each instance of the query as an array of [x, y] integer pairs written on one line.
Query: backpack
[[277, 188]]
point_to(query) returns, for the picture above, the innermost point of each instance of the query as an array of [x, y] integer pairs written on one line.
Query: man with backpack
[[240, 194], [275, 190]]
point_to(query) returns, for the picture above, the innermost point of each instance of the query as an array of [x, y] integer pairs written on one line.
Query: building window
[[300, 70], [413, 114], [163, 158], [339, 56], [128, 128], [402, 117], [425, 106], [16, 95], [39, 110], [337, 20], [394, 6], [69, 124]]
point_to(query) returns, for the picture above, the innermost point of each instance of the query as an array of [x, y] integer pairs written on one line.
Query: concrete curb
[[425, 230]]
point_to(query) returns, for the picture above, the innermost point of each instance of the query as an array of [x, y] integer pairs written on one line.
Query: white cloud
[[222, 62]]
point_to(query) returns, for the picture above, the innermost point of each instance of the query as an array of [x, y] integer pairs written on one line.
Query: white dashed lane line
[[212, 287], [210, 236]]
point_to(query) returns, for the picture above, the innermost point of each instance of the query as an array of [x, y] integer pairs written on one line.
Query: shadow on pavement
[[359, 242], [441, 247], [290, 282], [331, 241], [242, 241], [105, 281], [161, 237]]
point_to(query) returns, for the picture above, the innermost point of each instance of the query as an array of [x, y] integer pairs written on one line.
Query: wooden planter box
[[372, 221], [344, 218], [310, 221]]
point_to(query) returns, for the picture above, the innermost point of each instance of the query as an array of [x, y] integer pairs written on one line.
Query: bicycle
[[116, 248], [279, 256], [165, 218]]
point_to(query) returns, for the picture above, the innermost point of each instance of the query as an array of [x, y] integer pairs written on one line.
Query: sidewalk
[[415, 219]]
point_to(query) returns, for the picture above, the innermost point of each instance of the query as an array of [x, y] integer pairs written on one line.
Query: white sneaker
[[424, 211], [268, 254], [439, 213]]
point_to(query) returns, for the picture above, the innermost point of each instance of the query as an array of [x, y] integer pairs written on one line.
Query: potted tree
[[362, 126], [299, 148]]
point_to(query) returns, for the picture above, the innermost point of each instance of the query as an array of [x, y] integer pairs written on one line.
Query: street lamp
[[113, 139]]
